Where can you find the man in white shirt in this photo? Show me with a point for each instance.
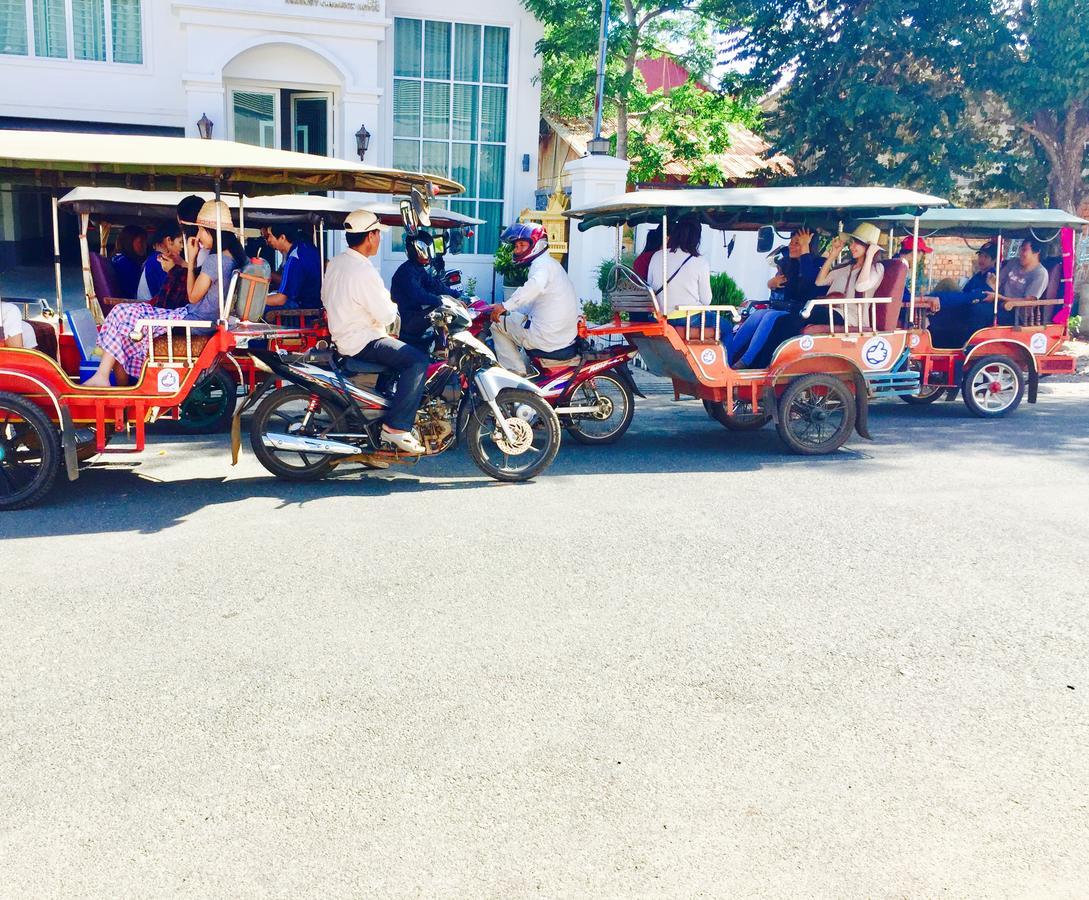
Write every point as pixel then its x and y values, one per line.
pixel 14 332
pixel 543 313
pixel 360 312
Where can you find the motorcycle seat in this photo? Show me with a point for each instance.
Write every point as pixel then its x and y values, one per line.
pixel 569 352
pixel 352 366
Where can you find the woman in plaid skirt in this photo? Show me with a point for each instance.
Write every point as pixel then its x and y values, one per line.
pixel 115 337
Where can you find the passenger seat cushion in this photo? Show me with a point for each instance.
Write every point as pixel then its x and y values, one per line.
pixel 892 285
pixel 199 342
pixel 46 336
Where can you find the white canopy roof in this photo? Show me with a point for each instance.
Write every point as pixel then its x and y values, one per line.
pixel 973 222
pixel 130 204
pixel 753 207
pixel 56 160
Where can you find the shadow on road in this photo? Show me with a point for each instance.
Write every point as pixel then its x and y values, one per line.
pixel 127 495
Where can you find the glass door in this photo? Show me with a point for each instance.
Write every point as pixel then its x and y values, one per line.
pixel 311 122
pixel 254 117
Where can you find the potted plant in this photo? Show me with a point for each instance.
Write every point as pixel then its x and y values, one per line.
pixel 514 276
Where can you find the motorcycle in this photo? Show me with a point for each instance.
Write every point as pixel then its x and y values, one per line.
pixel 329 410
pixel 592 391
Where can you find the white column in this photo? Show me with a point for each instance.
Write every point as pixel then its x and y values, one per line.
pixel 593 178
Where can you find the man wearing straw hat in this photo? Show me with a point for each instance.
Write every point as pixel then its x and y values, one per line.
pixel 360 312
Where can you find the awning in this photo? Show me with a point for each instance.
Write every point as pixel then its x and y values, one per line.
pixel 121 206
pixel 56 160
pixel 750 208
pixel 984 222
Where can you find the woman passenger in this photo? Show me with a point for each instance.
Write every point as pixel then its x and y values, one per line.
pixel 687 275
pixel 115 337
pixel 857 278
pixel 168 245
pixel 128 261
pixel 653 243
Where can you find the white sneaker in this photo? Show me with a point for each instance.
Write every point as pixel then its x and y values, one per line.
pixel 403 440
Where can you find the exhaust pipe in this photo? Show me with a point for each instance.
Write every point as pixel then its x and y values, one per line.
pixel 302 444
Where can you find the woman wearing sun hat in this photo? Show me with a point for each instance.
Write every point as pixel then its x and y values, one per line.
pixel 859 277
pixel 115 336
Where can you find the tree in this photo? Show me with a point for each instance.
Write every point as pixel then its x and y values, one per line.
pixel 1039 88
pixel 637 29
pixel 957 98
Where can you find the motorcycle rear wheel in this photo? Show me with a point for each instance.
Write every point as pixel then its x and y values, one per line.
pixel 284 411
pixel 541 429
pixel 616 402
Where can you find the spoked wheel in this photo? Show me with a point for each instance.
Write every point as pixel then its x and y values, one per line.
pixel 927 394
pixel 615 404
pixel 535 430
pixel 993 387
pixel 291 411
pixel 210 405
pixel 30 453
pixel 741 418
pixel 816 414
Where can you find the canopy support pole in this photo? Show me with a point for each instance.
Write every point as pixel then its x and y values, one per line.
pixel 914 266
pixel 242 218
pixel 321 250
pixel 997 274
pixel 219 255
pixel 56 252
pixel 665 267
pixel 85 260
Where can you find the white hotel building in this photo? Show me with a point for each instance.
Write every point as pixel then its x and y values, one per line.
pixel 441 88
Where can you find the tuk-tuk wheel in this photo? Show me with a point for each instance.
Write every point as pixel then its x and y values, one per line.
pixel 30 452
pixel 741 418
pixel 816 414
pixel 210 405
pixel 927 394
pixel 993 386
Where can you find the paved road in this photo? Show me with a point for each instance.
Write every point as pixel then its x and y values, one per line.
pixel 691 665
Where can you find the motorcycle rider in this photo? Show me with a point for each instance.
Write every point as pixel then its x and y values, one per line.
pixel 542 314
pixel 360 312
pixel 416 291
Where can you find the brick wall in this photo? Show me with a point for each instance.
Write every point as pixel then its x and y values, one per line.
pixel 952 258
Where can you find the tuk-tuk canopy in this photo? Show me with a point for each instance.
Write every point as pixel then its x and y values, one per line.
pixel 983 222
pixel 750 208
pixel 121 205
pixel 58 160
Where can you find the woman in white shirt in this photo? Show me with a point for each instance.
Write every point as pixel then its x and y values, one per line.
pixel 687 275
pixel 857 278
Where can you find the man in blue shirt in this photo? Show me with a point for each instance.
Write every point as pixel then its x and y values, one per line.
pixel 300 281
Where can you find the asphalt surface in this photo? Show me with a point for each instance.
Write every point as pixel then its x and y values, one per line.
pixel 688 665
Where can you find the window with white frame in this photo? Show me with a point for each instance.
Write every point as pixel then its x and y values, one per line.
pixel 93 30
pixel 450 113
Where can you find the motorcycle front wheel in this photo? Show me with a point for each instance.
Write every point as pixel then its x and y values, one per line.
pixel 535 431
pixel 291 411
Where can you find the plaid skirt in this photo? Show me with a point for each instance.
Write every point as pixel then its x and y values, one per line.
pixel 115 336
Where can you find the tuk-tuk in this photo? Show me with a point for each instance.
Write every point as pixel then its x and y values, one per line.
pixel 49 420
pixel 818 382
pixel 1002 347
pixel 211 404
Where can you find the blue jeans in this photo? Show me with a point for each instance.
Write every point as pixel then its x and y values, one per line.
pixel 411 367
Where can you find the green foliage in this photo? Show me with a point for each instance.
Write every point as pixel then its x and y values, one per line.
pixel 937 96
pixel 597 313
pixel 725 291
pixel 1075 325
pixel 651 129
pixel 470 286
pixel 513 275
pixel 605 271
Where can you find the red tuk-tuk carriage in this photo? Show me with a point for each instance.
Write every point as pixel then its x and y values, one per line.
pixel 1001 357
pixel 45 414
pixel 210 405
pixel 818 382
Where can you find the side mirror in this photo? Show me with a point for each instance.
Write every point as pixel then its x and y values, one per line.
pixel 765 239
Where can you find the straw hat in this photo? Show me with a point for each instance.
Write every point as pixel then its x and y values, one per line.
pixel 206 218
pixel 866 232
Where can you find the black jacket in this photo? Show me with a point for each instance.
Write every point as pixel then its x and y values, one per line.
pixel 416 292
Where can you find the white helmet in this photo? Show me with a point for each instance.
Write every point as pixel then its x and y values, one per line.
pixel 360 221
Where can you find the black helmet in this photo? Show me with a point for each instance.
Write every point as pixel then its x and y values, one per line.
pixel 419 245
